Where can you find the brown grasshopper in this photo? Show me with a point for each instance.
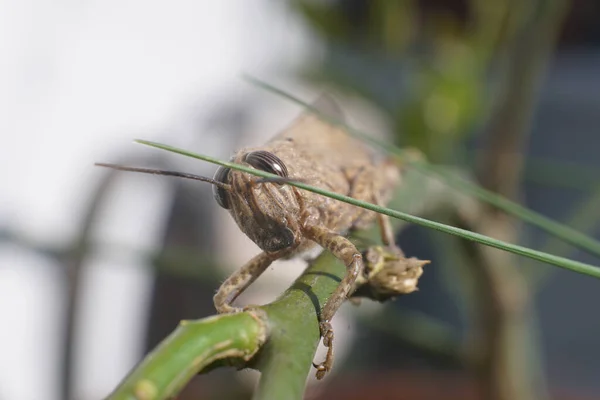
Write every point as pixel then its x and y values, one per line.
pixel 285 221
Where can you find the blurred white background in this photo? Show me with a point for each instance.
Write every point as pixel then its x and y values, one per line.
pixel 78 82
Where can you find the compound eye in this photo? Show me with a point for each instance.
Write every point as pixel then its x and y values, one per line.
pixel 220 194
pixel 268 162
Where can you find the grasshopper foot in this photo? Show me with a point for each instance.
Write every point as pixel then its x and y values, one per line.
pixel 324 367
pixel 327 334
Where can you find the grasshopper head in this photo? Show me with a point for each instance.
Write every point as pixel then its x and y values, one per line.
pixel 267 212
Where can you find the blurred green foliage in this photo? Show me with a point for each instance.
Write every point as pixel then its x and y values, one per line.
pixel 426 64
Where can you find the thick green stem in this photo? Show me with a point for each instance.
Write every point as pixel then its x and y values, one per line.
pixel 191 348
pixel 287 357
pixel 290 324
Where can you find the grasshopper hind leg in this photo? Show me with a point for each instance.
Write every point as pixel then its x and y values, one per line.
pixel 343 249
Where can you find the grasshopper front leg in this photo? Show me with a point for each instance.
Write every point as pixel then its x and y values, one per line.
pixel 240 280
pixel 343 249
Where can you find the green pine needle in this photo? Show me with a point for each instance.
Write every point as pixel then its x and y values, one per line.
pixel 576 266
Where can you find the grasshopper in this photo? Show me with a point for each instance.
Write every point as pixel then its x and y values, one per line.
pixel 285 221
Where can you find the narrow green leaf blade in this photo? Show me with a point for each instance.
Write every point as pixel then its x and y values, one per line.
pixel 562 262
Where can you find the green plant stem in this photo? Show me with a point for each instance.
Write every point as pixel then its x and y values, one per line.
pixel 286 332
pixel 572 265
pixel 286 358
pixel 548 225
pixel 191 348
